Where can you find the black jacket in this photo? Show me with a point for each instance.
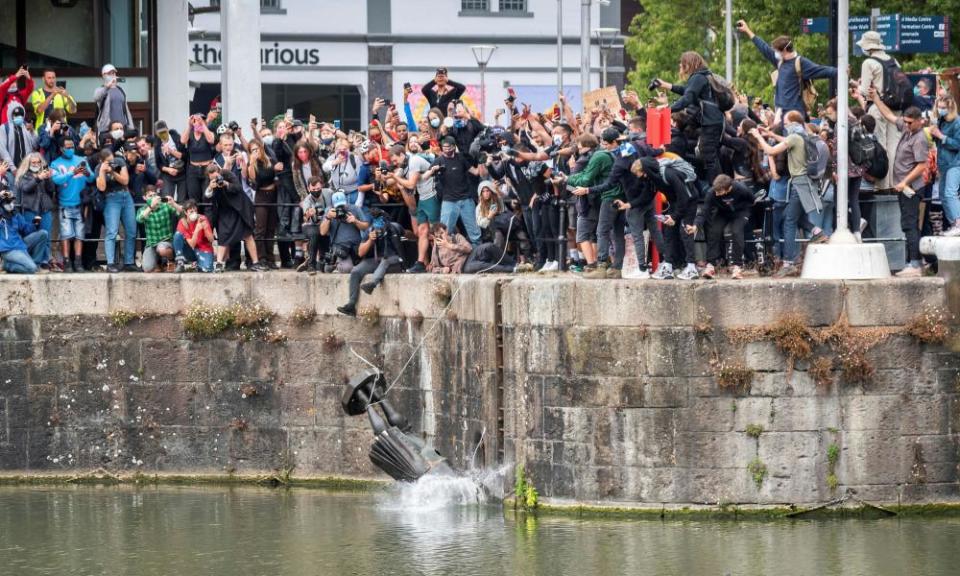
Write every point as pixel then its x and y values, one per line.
pixel 737 200
pixel 638 193
pixel 697 98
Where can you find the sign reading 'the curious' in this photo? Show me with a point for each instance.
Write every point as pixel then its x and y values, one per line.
pixel 271 54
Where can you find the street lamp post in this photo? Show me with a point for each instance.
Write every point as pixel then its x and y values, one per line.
pixel 605 38
pixel 843 258
pixel 585 43
pixel 482 53
pixel 728 33
pixel 559 46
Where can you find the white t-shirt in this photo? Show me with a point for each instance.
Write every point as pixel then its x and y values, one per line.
pixel 426 187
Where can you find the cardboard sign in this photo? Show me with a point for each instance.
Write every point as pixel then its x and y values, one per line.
pixel 597 98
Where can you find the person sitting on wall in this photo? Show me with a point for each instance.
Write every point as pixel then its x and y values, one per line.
pixel 23 245
pixel 378 253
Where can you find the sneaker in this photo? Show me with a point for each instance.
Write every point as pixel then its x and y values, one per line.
pixel 68 266
pixel 347 310
pixel 789 269
pixel 219 268
pixel 368 287
pixel 910 272
pixel 113 269
pixel 78 266
pixel 863 224
pixel 736 273
pixel 664 272
pixel 132 268
pixel 819 238
pixel 614 274
pixel 259 267
pixel 304 266
pixel 636 274
pixel 599 272
pixel 709 272
pixel 952 232
pixel 688 273
pixel 550 266
pixel 417 268
pixel 181 267
pixel 575 268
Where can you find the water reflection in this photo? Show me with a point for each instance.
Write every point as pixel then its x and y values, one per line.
pixel 185 531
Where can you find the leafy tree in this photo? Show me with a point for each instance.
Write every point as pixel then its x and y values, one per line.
pixel 665 29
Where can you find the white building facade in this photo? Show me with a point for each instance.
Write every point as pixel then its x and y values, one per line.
pixel 333 57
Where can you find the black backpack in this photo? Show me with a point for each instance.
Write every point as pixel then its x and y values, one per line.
pixel 897 88
pixel 813 155
pixel 879 164
pixel 722 92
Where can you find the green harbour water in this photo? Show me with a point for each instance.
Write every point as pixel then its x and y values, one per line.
pixel 212 531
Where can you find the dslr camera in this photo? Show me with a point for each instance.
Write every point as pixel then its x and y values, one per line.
pixel 341 213
pixel 653 85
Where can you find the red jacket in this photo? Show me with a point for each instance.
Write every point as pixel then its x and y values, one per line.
pixel 22 96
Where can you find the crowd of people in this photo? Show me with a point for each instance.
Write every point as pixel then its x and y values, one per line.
pixel 733 186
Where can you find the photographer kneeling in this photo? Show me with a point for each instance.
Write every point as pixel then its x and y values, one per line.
pixel 342 224
pixel 234 212
pixel 377 253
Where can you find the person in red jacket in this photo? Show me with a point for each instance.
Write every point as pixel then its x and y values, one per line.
pixel 17 87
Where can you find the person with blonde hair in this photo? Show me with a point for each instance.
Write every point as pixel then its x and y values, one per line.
pixel 946 134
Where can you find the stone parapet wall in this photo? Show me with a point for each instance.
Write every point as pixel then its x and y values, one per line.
pixel 609 390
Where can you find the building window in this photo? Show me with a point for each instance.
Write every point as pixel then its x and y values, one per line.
pixel 474 5
pixel 513 5
pixel 266 6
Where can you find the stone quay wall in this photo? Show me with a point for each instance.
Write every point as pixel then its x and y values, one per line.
pixel 631 392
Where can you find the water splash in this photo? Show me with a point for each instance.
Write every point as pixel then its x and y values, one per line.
pixel 436 492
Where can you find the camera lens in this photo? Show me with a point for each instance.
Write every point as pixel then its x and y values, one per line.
pixel 653 85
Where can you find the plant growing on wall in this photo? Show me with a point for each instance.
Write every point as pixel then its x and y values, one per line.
pixel 526 496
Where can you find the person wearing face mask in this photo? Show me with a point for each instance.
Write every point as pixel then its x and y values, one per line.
pixel 788 90
pixel 15 89
pixel 23 247
pixel 802 196
pixel 193 240
pixel 170 156
pixel 35 190
pixel 113 179
pixel 17 140
pixel 71 175
pixel 946 134
pixel 453 188
pixel 157 217
pixel 263 178
pixel 285 142
pixel 434 123
pixel 922 98
pixel 316 203
pixel 198 141
pixel 233 216
pixel 111 102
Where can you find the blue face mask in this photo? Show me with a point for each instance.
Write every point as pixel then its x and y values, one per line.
pixel 434 122
pixel 459 123
pixel 18 120
pixel 68 153
pixel 942 112
pixel 916 90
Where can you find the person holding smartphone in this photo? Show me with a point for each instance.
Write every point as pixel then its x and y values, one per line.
pixel 23 246
pixel 51 95
pixel 16 88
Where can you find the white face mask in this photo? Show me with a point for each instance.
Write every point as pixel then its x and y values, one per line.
pixel 268 140
pixel 779 56
pixel 193 216
pixel 34 168
pixel 557 140
pixel 108 79
pixel 8 207
pixel 116 134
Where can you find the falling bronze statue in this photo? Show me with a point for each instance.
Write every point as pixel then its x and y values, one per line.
pixel 401 455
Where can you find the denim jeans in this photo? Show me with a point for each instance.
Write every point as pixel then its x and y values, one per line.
pixel 117 209
pixel 779 209
pixel 794 218
pixel 950 194
pixel 20 262
pixel 182 250
pixel 638 219
pixel 376 266
pixel 46 219
pixel 611 221
pixel 464 210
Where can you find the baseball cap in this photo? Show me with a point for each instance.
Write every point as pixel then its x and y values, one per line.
pixel 298 123
pixel 107 68
pixel 442 70
pixel 160 126
pixel 610 135
pixel 449 141
pixel 339 199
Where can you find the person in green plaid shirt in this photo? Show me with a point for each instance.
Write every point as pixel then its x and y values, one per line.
pixel 158 218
